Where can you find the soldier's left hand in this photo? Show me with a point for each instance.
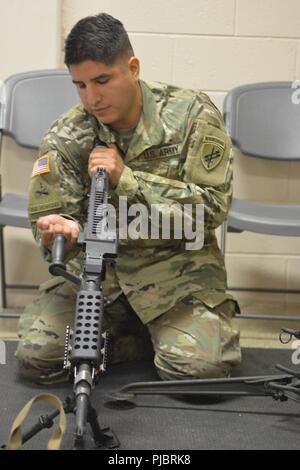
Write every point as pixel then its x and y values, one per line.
pixel 110 160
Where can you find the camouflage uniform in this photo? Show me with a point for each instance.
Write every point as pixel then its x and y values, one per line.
pixel 179 153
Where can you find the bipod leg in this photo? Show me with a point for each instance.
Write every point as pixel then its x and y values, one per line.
pixel 103 438
pixel 235 386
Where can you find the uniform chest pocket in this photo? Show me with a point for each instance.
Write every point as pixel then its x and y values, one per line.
pixel 166 167
pixel 175 165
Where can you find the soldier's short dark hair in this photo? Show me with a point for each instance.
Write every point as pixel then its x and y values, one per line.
pixel 100 38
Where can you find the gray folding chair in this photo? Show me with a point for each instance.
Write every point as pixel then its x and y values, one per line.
pixel 264 122
pixel 29 103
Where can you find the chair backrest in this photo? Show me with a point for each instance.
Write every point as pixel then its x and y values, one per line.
pixel 31 101
pixel 263 120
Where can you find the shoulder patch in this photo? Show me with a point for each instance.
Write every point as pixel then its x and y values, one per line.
pixel 42 165
pixel 212 152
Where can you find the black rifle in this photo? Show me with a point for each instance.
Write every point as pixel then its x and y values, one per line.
pixel 85 353
pixel 86 345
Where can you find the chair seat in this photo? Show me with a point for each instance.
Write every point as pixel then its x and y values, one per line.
pixel 13 211
pixel 273 219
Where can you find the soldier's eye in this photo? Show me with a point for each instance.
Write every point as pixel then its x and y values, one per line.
pixel 102 81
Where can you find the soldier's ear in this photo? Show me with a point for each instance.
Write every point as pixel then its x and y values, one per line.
pixel 134 67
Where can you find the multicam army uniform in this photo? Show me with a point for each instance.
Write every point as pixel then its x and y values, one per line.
pixel 179 153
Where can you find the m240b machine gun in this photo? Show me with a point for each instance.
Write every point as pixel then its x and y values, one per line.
pixel 86 345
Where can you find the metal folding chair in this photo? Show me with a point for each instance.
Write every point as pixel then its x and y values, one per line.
pixel 29 103
pixel 263 122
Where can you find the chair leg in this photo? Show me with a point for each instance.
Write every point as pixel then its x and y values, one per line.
pixel 223 236
pixel 2 270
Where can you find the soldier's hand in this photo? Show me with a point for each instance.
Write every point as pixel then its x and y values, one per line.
pixel 110 160
pixel 51 225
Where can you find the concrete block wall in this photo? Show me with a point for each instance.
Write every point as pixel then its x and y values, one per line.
pixel 212 45
pixel 209 44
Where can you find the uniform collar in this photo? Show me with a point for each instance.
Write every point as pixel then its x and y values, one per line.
pixel 104 132
pixel 149 131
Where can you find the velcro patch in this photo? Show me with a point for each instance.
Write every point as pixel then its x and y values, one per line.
pixel 39 208
pixel 212 152
pixel 42 165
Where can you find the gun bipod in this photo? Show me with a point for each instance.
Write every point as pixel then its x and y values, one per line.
pixel 275 386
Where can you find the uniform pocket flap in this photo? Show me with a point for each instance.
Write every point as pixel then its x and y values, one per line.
pixel 212 298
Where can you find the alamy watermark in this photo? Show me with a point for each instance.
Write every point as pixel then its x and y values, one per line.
pixel 159 221
pixel 295 358
pixel 296 94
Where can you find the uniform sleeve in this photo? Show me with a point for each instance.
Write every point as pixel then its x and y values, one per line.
pixel 55 188
pixel 205 178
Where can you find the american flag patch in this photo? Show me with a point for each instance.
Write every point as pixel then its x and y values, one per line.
pixel 42 165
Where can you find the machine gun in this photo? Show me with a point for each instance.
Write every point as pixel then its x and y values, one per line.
pixel 86 346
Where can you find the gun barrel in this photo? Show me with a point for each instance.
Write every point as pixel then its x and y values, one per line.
pixel 82 404
pixel 82 390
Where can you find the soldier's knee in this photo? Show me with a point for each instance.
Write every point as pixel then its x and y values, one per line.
pixel 39 365
pixel 180 367
pixel 191 342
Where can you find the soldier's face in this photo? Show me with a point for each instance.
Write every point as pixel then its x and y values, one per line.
pixel 110 92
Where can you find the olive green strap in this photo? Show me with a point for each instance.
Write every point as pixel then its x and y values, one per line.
pixel 15 437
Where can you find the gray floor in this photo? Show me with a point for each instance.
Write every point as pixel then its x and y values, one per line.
pixel 166 423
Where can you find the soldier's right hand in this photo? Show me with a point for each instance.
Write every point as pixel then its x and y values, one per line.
pixel 51 225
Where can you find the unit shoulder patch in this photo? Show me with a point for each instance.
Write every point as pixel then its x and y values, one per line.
pixel 212 152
